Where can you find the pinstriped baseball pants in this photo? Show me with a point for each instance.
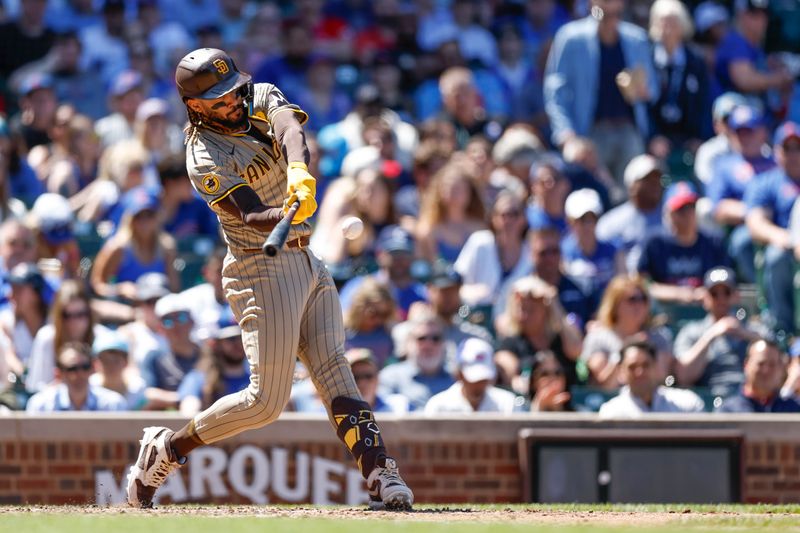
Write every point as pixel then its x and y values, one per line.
pixel 287 306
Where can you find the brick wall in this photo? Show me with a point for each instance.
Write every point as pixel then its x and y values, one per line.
pixel 80 459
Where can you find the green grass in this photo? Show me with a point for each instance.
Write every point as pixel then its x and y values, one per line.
pixel 427 519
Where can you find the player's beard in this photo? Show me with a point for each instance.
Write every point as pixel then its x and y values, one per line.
pixel 226 124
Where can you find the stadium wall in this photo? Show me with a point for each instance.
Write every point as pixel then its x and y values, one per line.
pixel 81 458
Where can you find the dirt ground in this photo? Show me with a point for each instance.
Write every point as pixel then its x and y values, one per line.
pixel 429 514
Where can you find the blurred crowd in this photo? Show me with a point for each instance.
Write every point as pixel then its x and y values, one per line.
pixel 569 205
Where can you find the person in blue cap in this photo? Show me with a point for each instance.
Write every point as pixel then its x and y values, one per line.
pixel 732 173
pixel 769 201
pixel 139 246
pixel 676 258
pixel 53 221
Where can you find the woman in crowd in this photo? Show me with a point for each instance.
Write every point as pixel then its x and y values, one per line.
pixel 76 167
pixel 624 311
pixel 451 211
pixel 27 314
pixel 533 321
pixel 547 386
pixel 139 247
pixel 682 116
pixel 490 256
pixel 369 320
pixel 71 320
pixel 369 197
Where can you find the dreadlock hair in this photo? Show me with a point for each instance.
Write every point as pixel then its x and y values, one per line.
pixel 192 128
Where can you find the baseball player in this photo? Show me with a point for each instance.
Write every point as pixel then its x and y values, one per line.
pixel 246 155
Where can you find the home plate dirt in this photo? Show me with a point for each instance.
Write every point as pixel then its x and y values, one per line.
pixel 521 515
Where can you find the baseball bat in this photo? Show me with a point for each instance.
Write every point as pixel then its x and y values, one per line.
pixel 277 237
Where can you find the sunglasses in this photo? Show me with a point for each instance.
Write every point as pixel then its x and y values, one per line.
pixel 84 367
pixel 514 213
pixel 432 338
pixel 75 316
pixel 363 377
pixel 549 251
pixel 716 293
pixel 636 299
pixel 181 318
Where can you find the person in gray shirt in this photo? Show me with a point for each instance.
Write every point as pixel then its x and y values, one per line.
pixel 711 352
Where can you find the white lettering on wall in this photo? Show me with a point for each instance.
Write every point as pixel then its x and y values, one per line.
pixel 323 484
pixel 256 488
pixel 250 472
pixel 280 475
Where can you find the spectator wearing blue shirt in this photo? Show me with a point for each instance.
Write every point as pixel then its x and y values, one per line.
pixel 74 365
pixel 769 200
pixel 589 261
pixel 677 258
pixel 549 189
pixel 764 370
pixel 223 370
pixel 732 173
pixel 581 92
pixel 395 254
pixel 741 62
pixel 183 212
pixel 164 370
pixel 628 225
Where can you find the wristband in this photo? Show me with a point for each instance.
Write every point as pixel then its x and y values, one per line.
pixel 298 164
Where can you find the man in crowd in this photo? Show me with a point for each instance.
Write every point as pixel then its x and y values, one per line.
pixel 474 391
pixel 710 352
pixel 764 371
pixel 769 201
pixel 423 373
pixel 642 393
pixel 74 365
pixel 677 257
pixel 585 63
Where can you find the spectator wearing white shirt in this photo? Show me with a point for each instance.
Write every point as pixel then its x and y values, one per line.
pixel 113 372
pixel 474 392
pixel 642 393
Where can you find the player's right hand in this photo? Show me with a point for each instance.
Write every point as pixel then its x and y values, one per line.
pixel 308 205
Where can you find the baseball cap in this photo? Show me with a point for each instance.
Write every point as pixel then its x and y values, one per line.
pixel 445 276
pixel 358 355
pixel 751 5
pixel 719 275
pixel 785 131
pixel 725 103
pixel 514 143
pixel 581 202
pixel 475 359
pixel 109 341
pixel 171 303
pixel 226 327
pixel 139 199
pixel 35 81
pixel 639 168
pixel 125 82
pixel 395 239
pixel 151 285
pixel 680 194
pixel 152 107
pixel 53 216
pixel 745 116
pixel 26 274
pixel 707 14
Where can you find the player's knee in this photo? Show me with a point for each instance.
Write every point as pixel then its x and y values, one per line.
pixel 265 406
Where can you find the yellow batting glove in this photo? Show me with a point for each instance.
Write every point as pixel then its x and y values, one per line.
pixel 307 206
pixel 298 179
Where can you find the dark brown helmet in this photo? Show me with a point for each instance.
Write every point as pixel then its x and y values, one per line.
pixel 208 73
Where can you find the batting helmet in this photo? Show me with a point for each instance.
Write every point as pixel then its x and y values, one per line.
pixel 208 73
